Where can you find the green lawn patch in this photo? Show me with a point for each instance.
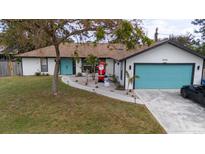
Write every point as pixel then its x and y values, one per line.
pixel 27 106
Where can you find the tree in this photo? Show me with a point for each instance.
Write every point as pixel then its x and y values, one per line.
pixel 200 42
pixel 201 24
pixel 187 40
pixel 131 35
pixel 40 33
pixel 92 60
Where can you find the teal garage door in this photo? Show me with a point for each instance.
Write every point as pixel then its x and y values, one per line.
pixel 66 66
pixel 162 76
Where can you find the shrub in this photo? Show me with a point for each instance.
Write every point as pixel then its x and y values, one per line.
pixel 114 79
pixel 41 74
pixel 79 74
pixel 38 73
pixel 119 87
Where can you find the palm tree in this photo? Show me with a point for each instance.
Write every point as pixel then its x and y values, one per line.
pixel 92 60
pixel 130 79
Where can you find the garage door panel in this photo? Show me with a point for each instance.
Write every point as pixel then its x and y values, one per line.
pixel 163 76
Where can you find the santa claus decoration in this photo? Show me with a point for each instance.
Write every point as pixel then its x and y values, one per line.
pixel 101 71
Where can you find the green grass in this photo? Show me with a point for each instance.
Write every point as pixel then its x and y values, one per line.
pixel 27 106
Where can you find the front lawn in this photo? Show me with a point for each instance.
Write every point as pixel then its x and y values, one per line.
pixel 27 106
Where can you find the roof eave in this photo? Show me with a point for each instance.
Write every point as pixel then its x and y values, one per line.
pixel 164 42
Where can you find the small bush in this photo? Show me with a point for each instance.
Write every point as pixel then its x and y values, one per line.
pixel 38 73
pixel 76 80
pixel 119 87
pixel 41 74
pixel 79 74
pixel 114 79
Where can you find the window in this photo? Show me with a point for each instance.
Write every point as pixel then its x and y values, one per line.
pixel 44 65
pixel 88 67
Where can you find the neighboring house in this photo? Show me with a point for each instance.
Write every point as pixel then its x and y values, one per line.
pixel 163 65
pixel 2 56
pixel 5 53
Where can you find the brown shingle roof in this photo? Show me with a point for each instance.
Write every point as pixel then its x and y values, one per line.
pixel 101 50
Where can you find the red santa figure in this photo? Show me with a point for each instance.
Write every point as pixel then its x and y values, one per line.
pixel 101 71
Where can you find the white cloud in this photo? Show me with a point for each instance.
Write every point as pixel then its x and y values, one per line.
pixel 168 27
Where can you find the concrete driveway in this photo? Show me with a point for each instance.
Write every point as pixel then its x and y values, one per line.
pixel 175 114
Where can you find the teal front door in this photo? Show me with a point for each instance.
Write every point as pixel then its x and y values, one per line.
pixel 66 66
pixel 163 76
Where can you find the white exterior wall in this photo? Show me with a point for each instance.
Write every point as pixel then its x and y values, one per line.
pixel 79 66
pixel 51 65
pixel 169 54
pixel 117 70
pixel 31 66
pixel 118 67
pixel 109 66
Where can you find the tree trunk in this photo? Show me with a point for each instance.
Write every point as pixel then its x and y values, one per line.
pixel 10 65
pixel 56 70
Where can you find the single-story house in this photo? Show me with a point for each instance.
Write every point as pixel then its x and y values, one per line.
pixel 162 65
pixel 2 56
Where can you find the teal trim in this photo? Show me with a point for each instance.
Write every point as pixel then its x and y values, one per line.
pixel 66 66
pixel 163 76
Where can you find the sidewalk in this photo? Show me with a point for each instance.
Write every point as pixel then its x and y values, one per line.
pixel 101 91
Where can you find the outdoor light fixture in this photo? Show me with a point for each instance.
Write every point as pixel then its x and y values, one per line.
pixel 198 67
pixel 130 67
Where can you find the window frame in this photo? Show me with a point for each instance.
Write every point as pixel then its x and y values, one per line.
pixel 42 70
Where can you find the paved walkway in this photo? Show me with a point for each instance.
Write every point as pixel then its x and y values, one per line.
pixel 101 90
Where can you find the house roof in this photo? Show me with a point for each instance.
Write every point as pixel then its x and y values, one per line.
pixel 1 49
pixel 101 50
pixel 143 49
pixel 7 50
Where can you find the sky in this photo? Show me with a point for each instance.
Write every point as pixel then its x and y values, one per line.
pixel 168 27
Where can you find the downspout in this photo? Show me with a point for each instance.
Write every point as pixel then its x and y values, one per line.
pixel 125 73
pixel 113 67
pixel 202 74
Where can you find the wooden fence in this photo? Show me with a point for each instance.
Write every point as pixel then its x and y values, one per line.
pixel 6 71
